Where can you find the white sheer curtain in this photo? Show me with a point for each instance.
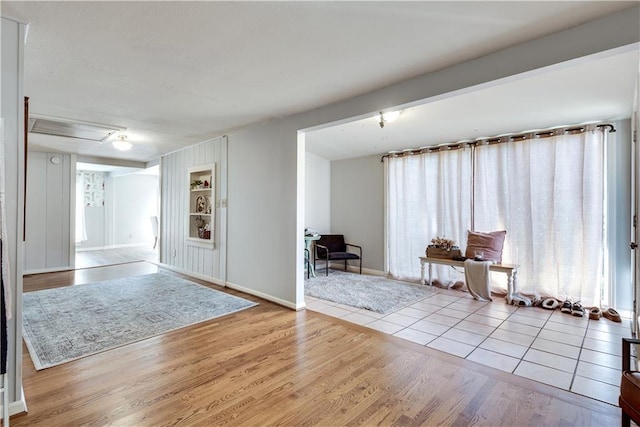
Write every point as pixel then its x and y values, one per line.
pixel 81 229
pixel 428 195
pixel 548 193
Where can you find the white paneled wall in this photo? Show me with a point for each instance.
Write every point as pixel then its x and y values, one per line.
pixel 48 227
pixel 175 250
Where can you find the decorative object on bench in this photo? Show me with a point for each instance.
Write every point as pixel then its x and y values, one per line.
pixel 629 399
pixel 490 244
pixel 442 247
pixel 332 247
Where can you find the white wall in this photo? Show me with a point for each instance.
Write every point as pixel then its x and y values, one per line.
pixel 135 200
pixel 47 246
pixel 264 230
pixel 95 225
pixel 357 206
pixel 317 193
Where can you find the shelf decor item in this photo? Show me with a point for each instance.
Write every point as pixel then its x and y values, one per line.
pixel 202 204
pixel 204 232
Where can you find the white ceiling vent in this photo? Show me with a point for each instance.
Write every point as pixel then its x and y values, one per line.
pixel 72 129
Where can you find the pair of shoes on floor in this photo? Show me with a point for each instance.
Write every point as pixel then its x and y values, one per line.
pixel 612 315
pixel 550 304
pixel 573 308
pixel 577 309
pixel 595 313
pixel 520 300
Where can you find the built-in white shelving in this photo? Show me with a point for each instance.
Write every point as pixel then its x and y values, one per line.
pixel 201 223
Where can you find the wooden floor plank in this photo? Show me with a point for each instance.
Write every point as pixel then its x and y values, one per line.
pixel 269 365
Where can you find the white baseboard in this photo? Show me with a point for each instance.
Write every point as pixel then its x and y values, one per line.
pixel 192 274
pixel 268 297
pixel 236 287
pixel 46 270
pixel 17 407
pixel 372 272
pixel 356 269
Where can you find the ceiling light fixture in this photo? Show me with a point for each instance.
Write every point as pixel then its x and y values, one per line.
pixel 121 143
pixel 389 117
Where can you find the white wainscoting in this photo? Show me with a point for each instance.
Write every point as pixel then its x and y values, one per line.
pixel 49 183
pixel 175 249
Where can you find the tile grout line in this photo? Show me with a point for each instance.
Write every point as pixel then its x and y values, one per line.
pixel 575 371
pixel 494 329
pixel 529 347
pixel 408 326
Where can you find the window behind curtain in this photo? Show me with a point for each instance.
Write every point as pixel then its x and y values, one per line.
pixel 546 192
pixel 428 196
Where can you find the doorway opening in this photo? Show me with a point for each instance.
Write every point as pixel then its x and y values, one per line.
pixel 116 215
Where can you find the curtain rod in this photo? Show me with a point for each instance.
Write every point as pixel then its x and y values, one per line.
pixel 520 136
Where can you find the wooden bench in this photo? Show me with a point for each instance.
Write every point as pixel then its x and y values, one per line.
pixel 510 270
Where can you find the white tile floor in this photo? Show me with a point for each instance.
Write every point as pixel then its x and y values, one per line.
pixel 572 353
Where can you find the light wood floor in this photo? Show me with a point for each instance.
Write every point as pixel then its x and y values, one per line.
pixel 269 365
pixel 98 258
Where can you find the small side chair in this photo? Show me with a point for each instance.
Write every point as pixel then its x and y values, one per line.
pixel 332 247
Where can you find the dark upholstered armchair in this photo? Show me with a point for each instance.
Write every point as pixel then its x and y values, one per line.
pixel 332 247
pixel 629 400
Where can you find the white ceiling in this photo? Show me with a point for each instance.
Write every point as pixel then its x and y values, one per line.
pixel 177 73
pixel 599 89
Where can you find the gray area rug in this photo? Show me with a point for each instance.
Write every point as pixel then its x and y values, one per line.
pixel 64 324
pixel 373 293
